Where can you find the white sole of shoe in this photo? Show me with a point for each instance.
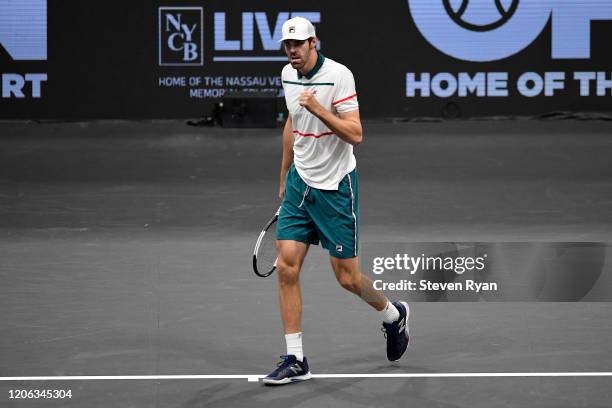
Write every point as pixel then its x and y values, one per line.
pixel 304 377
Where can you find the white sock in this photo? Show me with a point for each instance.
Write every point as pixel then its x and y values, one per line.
pixel 390 313
pixel 294 345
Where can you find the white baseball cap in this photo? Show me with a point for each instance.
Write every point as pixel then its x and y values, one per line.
pixel 298 28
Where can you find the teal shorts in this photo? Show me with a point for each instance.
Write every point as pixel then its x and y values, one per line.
pixel 310 215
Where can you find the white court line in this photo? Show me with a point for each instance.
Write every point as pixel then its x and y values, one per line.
pixel 256 377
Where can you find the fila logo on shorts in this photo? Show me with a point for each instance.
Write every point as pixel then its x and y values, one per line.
pixel 321 158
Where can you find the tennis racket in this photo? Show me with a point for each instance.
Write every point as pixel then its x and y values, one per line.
pixel 264 254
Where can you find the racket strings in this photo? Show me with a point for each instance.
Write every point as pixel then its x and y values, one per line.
pixel 267 254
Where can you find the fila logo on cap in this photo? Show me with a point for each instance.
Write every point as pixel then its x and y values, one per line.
pixel 297 28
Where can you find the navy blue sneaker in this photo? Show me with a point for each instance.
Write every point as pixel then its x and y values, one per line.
pixel 289 370
pixel 397 333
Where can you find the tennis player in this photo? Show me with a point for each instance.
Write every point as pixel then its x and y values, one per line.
pixel 319 189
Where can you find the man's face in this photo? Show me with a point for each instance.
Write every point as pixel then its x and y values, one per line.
pixel 298 51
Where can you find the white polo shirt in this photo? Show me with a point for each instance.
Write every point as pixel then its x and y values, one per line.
pixel 321 158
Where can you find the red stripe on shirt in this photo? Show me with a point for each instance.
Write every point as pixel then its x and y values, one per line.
pixel 344 99
pixel 312 134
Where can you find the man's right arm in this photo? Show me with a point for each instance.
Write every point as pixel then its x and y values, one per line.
pixel 287 155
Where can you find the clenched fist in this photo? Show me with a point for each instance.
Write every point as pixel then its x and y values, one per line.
pixel 309 101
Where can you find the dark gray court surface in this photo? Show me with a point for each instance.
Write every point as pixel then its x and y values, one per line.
pixel 126 248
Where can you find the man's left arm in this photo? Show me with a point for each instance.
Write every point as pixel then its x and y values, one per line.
pixel 347 126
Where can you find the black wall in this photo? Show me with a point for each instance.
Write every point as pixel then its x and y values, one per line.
pixel 103 62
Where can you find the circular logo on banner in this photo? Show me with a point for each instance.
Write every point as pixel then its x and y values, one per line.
pixel 480 15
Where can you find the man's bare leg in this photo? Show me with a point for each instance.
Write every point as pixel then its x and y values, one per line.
pixel 290 259
pixel 350 278
pixel 294 366
pixel 394 315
